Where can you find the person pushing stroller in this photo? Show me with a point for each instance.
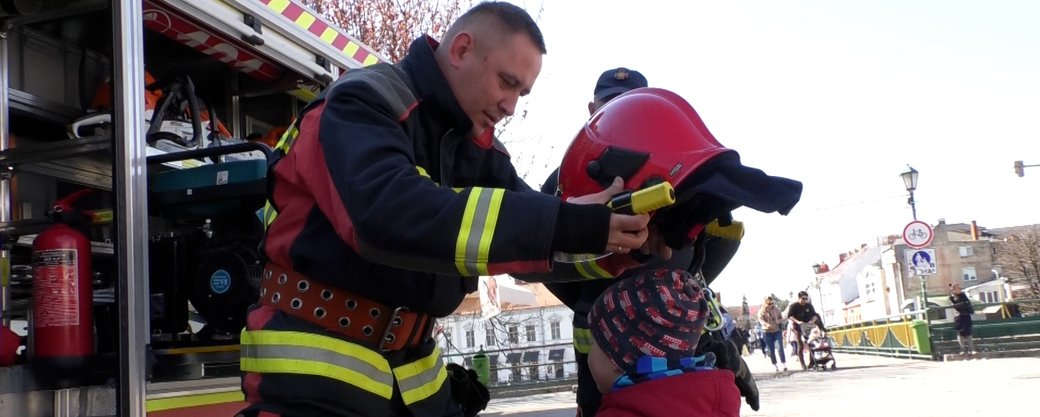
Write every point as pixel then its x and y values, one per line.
pixel 802 312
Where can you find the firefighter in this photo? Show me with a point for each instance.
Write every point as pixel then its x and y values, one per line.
pixel 389 197
pixel 683 146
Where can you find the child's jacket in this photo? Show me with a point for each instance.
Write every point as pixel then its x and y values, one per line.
pixel 702 393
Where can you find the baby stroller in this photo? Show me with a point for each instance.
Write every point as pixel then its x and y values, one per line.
pixel 819 344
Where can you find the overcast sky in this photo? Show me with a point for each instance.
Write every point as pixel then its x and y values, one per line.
pixel 840 95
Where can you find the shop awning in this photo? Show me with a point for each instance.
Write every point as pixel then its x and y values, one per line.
pixel 531 356
pixel 513 357
pixel 556 355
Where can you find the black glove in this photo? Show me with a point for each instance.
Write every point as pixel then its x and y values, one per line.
pixel 728 357
pixel 471 395
pixel 746 384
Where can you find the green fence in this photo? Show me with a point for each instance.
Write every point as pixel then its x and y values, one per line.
pixel 899 336
pixel 987 329
pixel 908 335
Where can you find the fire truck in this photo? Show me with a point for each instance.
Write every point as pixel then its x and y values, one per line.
pixel 134 144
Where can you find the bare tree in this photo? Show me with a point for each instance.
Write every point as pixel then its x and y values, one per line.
pixel 1019 257
pixel 389 27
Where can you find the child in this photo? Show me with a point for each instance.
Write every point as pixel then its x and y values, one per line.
pixel 645 330
pixel 792 337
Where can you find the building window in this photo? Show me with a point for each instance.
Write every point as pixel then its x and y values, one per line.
pixel 469 338
pixel 530 333
pixel 489 335
pixel 966 251
pixel 514 335
pixel 989 297
pixel 969 273
pixel 554 330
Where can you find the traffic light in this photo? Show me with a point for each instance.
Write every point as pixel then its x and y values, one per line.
pixel 1020 168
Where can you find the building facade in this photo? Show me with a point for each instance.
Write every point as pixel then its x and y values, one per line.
pixel 524 343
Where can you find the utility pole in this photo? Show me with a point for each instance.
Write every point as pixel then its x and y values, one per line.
pixel 1020 168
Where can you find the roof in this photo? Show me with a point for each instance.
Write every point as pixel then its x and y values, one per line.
pixel 990 283
pixel 753 310
pixel 542 298
pixel 1003 232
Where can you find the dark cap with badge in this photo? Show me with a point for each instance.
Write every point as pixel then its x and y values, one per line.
pixel 617 81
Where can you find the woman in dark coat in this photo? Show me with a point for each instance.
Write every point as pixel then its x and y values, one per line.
pixel 962 323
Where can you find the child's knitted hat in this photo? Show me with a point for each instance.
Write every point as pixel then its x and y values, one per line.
pixel 658 313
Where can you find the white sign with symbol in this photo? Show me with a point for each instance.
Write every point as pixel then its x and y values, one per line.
pixel 921 262
pixel 917 234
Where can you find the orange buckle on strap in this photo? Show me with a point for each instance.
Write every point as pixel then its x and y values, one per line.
pixel 341 311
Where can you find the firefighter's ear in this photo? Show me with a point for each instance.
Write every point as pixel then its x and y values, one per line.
pixel 459 46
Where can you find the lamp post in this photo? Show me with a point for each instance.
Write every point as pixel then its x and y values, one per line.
pixel 819 283
pixel 910 181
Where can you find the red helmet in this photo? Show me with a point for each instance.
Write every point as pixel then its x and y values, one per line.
pixel 647 136
pixel 644 136
pixel 650 135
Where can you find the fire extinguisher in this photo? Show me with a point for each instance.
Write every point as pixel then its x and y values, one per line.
pixel 62 316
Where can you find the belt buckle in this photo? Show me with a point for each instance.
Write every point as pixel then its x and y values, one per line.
pixel 395 320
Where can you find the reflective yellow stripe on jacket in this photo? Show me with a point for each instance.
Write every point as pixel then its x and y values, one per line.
pixel 272 351
pixel 582 340
pixel 284 143
pixel 421 379
pixel 591 270
pixel 285 352
pixel 477 230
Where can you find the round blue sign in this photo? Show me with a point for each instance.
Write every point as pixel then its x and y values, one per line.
pixel 220 281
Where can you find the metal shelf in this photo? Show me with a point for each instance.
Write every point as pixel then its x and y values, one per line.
pixel 41 108
pixel 79 161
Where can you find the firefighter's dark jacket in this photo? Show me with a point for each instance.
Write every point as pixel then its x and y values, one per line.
pixel 386 194
pixel 381 191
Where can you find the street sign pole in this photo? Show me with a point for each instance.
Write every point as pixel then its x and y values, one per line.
pixel 922 262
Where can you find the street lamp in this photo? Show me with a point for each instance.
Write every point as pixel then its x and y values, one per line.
pixel 818 269
pixel 910 181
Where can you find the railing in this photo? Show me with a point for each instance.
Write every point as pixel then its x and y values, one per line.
pixel 903 335
pixel 909 335
pixel 542 372
pixel 1010 326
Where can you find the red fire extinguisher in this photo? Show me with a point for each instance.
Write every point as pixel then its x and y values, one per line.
pixel 62 317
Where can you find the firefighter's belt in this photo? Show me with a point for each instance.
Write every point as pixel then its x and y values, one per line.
pixel 341 311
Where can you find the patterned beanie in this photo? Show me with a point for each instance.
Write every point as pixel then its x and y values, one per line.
pixel 658 313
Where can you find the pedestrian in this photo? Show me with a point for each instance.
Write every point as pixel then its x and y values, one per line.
pixel 769 318
pixel 389 198
pixel 791 337
pixel 761 340
pixel 645 330
pixel 802 312
pixel 963 322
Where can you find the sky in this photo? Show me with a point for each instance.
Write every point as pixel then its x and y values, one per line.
pixel 840 95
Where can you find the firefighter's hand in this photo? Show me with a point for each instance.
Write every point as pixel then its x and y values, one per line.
pixel 655 244
pixel 627 232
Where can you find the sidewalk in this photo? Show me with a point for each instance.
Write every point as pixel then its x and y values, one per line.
pixel 762 368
